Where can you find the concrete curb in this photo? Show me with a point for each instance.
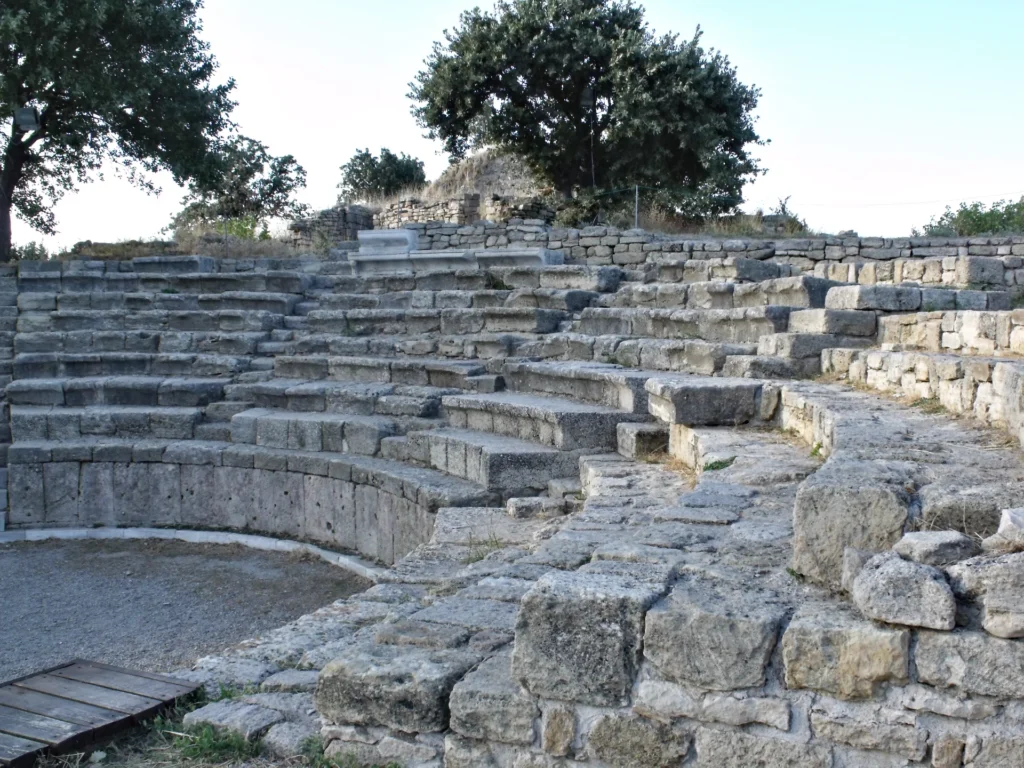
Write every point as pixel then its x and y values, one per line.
pixel 350 563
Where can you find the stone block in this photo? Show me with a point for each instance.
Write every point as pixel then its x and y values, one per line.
pixel 488 704
pixel 579 636
pixel 700 401
pixel 937 548
pixel 713 636
pixel 246 720
pixel 876 734
pixel 827 648
pixel 897 591
pixel 395 687
pixel 836 322
pixel 737 749
pixel 627 741
pixel 885 298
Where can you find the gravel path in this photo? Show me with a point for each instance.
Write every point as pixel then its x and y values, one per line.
pixel 153 605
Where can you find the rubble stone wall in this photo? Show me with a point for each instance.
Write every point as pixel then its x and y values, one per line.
pixel 333 225
pixel 966 332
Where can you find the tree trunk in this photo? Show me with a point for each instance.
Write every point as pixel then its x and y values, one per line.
pixel 5 227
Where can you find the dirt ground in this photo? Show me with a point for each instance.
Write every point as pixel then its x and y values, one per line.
pixel 151 605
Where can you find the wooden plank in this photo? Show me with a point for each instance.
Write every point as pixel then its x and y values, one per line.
pixel 119 701
pixel 16 751
pixel 123 681
pixel 48 730
pixel 137 673
pixel 62 709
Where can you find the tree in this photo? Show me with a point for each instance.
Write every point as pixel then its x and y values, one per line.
pixel 586 95
pixel 367 176
pixel 127 81
pixel 243 183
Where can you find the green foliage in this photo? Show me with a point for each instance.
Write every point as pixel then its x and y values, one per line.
pixel 210 745
pixel 971 219
pixel 714 466
pixel 31 251
pixel 365 176
pixel 127 82
pixel 588 97
pixel 242 187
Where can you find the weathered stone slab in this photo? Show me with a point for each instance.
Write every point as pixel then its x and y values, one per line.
pixel 396 687
pixel 828 648
pixel 737 749
pixel 700 401
pixel 627 741
pixel 488 704
pixel 579 636
pixel 936 548
pixel 972 662
pixel 887 298
pixel 247 720
pixel 712 636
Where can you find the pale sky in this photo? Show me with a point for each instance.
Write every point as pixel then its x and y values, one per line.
pixel 879 113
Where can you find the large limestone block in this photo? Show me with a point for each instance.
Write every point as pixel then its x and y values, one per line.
pixel 897 591
pixel 737 749
pixel 997 584
pixel 887 298
pixel 848 503
pixel 393 686
pixel 700 401
pixel 579 636
pixel 828 648
pixel 837 322
pixel 974 662
pixel 488 704
pixel 626 741
pixel 712 636
pixel 880 733
pixel 246 720
pixel 937 548
pixel 999 752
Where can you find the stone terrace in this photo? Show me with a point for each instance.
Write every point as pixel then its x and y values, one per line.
pixel 619 514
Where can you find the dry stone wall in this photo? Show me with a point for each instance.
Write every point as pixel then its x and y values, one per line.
pixel 334 225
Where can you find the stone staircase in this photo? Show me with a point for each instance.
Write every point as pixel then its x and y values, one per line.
pixel 615 529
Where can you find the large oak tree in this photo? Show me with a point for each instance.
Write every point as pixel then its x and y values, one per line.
pixel 127 81
pixel 588 96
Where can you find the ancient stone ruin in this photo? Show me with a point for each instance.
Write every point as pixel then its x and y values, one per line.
pixel 668 502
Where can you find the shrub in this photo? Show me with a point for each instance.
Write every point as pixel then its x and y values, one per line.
pixel 30 252
pixel 972 219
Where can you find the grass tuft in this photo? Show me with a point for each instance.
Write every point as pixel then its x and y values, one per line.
pixel 478 550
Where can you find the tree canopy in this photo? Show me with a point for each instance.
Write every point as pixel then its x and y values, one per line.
pixel 367 176
pixel 588 96
pixel 971 219
pixel 243 182
pixel 127 81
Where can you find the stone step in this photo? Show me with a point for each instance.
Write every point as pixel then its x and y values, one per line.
pixel 52 365
pixel 185 283
pixel 765 367
pixel 705 401
pixel 842 322
pixel 414 300
pixel 508 465
pixel 280 303
pixel 803 346
pixel 321 431
pixel 122 320
pixel 671 269
pixel 381 370
pixel 566 277
pixel 381 509
pixel 572 301
pixel 232 344
pixel 564 424
pixel 799 291
pixel 118 390
pixel 446 321
pixel 29 422
pixel 598 383
pixel 912 298
pixel 683 355
pixel 745 325
pixel 474 346
pixel 298 395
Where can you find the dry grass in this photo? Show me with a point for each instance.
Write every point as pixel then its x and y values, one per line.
pixel 672 464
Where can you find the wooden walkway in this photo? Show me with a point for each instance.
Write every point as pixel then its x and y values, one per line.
pixel 77 705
